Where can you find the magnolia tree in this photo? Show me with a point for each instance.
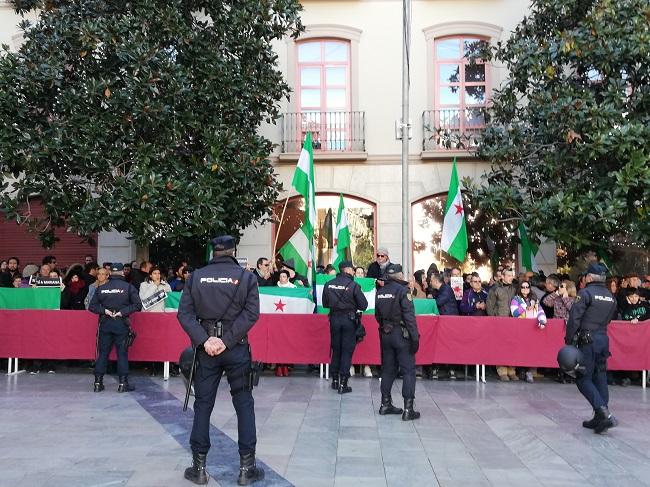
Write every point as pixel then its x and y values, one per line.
pixel 568 134
pixel 142 115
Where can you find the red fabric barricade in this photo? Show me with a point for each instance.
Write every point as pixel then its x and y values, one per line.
pixel 305 339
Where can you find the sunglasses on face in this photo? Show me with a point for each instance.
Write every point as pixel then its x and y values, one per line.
pixel 525 287
pixel 475 282
pixel 381 255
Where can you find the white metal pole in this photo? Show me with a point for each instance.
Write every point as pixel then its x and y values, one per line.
pixel 406 207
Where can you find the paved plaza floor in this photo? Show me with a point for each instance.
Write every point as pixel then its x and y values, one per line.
pixel 55 432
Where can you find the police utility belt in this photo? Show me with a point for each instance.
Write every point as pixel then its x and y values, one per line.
pixel 387 328
pixel 215 328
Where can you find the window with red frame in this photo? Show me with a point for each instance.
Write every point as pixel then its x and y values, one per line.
pixel 324 92
pixel 461 89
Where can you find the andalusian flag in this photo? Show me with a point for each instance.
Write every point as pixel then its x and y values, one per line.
pixel 528 250
pixel 342 239
pixel 300 246
pixel 367 287
pixel 454 230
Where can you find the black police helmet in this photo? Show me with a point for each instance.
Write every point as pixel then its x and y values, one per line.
pixel 185 363
pixel 570 360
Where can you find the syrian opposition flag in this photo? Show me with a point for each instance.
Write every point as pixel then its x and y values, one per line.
pixel 282 300
pixel 454 230
pixel 342 239
pixel 528 250
pixel 300 246
pixel 273 300
pixel 367 286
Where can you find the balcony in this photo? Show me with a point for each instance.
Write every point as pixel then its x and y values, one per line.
pixel 335 135
pixel 452 130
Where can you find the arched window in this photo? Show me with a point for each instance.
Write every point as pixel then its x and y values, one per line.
pixel 361 223
pixel 489 241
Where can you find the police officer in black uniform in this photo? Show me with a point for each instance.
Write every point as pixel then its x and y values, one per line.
pixel 594 308
pixel 343 297
pixel 400 340
pixel 114 301
pixel 219 305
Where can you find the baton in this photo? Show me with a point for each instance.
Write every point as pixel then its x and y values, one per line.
pixel 190 380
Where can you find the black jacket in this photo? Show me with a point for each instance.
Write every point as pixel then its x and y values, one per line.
pixel 342 294
pixel 639 311
pixel 446 300
pixel 594 308
pixel 392 305
pixel 374 271
pixel 261 281
pixel 116 295
pixel 210 295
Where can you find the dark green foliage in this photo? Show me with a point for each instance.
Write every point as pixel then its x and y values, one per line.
pixel 142 115
pixel 569 133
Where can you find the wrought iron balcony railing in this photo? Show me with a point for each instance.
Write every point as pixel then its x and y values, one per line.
pixel 331 131
pixel 452 128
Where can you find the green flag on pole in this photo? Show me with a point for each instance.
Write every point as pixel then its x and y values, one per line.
pixel 342 239
pixel 300 246
pixel 454 230
pixel 528 250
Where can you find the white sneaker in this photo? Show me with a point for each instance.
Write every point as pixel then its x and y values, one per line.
pixel 352 371
pixel 366 371
pixel 529 377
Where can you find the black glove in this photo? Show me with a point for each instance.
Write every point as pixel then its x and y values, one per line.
pixel 414 346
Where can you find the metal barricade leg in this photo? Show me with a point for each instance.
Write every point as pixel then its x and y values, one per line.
pixel 483 373
pixel 643 378
pixel 166 371
pixel 320 371
pixel 478 372
pixel 327 371
pixel 10 363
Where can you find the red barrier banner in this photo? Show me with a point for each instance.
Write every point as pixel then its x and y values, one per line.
pixel 46 334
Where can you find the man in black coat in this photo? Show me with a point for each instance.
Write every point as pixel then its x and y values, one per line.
pixel 343 297
pixel 114 302
pixel 377 269
pixel 219 305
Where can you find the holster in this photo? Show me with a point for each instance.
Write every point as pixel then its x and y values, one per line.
pixel 582 337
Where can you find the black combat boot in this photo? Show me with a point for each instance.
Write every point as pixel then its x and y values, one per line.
pixel 387 406
pixel 98 386
pixel 409 413
pixel 335 382
pixel 343 386
pixel 124 385
pixel 248 471
pixel 605 420
pixel 196 473
pixel 591 424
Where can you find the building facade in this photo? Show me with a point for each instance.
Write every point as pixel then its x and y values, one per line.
pixel 346 72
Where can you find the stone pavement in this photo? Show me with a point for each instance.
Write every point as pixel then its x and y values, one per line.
pixel 55 432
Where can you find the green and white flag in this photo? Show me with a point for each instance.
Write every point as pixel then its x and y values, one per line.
pixel 300 246
pixel 454 230
pixel 282 300
pixel 273 300
pixel 528 250
pixel 342 239
pixel 367 286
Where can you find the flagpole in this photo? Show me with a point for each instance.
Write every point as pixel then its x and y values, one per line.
pixel 277 234
pixel 406 210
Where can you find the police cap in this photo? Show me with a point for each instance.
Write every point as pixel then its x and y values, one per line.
pixel 223 242
pixel 597 268
pixel 346 264
pixel 392 270
pixel 117 267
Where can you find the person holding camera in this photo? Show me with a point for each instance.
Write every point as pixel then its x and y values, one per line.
pixel 218 307
pixel 525 305
pixel 400 340
pixel 114 301
pixel 343 297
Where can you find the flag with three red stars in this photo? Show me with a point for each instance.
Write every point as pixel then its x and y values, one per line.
pixel 454 229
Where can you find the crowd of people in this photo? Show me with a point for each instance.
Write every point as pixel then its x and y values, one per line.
pixel 526 295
